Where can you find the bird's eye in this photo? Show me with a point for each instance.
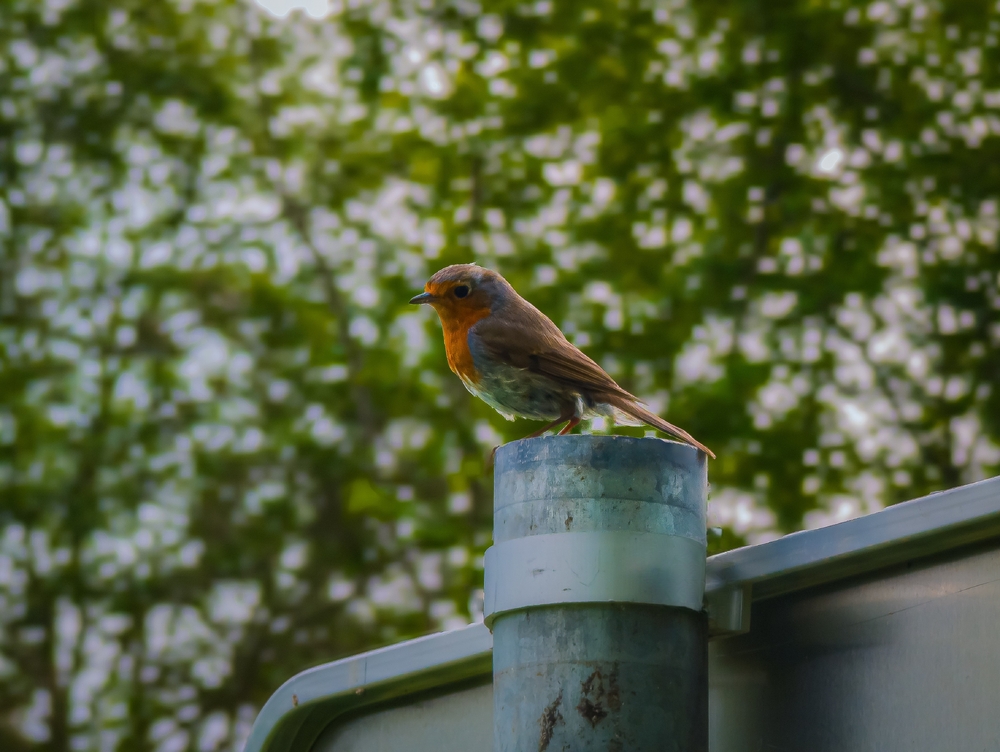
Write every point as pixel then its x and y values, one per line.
pixel 461 291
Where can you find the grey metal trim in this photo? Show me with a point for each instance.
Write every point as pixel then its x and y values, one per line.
pixel 911 530
pixel 307 703
pixel 594 567
pixel 728 610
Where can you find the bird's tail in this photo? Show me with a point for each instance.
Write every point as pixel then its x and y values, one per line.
pixel 639 412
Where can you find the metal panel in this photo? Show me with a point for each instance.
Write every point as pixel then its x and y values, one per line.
pixel 456 722
pixel 906 660
pixel 851 662
pixel 309 702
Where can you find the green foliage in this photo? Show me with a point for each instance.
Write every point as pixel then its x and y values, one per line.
pixel 230 450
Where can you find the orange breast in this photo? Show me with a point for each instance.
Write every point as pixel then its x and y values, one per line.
pixel 456 325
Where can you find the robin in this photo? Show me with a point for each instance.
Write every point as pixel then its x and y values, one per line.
pixel 511 356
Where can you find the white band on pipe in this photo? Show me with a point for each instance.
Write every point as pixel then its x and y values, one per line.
pixel 594 567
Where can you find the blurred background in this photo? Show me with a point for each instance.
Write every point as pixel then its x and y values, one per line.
pixel 229 449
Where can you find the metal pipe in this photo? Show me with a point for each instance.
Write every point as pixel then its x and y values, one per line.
pixel 594 589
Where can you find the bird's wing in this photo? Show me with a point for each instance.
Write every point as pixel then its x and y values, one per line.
pixel 528 339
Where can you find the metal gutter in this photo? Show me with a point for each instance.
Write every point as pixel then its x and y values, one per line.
pixel 900 533
pixel 296 714
pixel 302 707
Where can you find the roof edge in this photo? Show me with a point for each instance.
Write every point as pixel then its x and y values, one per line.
pixel 903 532
pixel 304 705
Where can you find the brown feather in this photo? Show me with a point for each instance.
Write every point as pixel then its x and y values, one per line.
pixel 639 412
pixel 540 347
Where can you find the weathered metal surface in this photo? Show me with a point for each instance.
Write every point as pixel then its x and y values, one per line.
pixel 560 484
pixel 600 677
pixel 607 672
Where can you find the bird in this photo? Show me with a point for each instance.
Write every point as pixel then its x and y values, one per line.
pixel 515 359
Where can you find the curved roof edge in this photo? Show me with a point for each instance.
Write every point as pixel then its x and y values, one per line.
pixel 304 705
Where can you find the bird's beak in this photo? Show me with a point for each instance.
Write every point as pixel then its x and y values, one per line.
pixel 424 297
